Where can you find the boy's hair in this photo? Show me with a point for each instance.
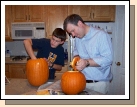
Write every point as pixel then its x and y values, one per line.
pixel 60 33
pixel 73 19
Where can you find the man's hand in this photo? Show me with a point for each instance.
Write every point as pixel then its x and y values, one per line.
pixel 81 64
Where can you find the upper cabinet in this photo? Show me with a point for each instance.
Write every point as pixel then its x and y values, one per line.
pixel 82 10
pixel 103 13
pixel 27 13
pixel 93 12
pixel 56 16
pixel 7 23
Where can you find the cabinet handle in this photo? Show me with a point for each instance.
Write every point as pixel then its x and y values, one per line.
pixel 24 71
pixel 92 15
pixel 29 17
pixel 26 17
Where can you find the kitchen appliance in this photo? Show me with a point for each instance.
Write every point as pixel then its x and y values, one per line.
pixel 24 30
pixel 71 44
pixel 20 58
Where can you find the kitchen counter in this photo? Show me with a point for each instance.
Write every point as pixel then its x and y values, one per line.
pixel 22 87
pixel 24 61
pixel 18 87
pixel 9 60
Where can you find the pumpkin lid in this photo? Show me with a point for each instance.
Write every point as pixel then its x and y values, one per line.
pixel 74 62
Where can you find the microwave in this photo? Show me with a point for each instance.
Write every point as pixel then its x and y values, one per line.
pixel 26 30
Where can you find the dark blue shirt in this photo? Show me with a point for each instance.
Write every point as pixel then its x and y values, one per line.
pixel 45 50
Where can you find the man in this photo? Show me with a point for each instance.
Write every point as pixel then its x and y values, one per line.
pixel 50 49
pixel 94 48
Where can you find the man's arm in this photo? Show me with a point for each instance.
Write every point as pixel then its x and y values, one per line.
pixel 82 63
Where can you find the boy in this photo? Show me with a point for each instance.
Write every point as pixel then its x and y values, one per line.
pixel 50 49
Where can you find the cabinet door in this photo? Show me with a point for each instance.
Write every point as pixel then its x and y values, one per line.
pixel 7 71
pixel 93 12
pixel 64 69
pixel 7 23
pixel 56 17
pixel 19 13
pixel 24 13
pixel 17 70
pixel 36 13
pixel 58 74
pixel 83 10
pixel 103 13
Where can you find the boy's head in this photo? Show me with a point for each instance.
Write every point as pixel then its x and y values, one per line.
pixel 58 37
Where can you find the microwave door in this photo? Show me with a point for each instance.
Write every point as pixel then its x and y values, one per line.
pixel 22 33
pixel 39 32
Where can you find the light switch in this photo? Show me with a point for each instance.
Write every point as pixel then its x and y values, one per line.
pixel 109 28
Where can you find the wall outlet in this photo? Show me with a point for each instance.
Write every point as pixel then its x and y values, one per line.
pixel 109 28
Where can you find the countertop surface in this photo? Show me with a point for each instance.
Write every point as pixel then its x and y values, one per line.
pixel 9 60
pixel 23 87
pixel 18 87
pixel 24 61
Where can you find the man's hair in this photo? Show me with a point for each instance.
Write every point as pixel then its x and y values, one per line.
pixel 73 19
pixel 60 33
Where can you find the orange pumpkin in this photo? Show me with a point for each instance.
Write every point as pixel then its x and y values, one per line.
pixel 74 61
pixel 37 71
pixel 73 82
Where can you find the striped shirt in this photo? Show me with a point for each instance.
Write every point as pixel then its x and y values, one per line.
pixel 96 44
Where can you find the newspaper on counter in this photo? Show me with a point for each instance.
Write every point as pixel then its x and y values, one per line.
pixel 55 89
pixel 52 89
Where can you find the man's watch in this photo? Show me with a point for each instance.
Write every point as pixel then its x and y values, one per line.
pixel 87 63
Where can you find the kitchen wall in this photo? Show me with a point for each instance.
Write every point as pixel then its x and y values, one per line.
pixel 17 48
pixel 107 26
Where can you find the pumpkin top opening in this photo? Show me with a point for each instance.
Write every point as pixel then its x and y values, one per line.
pixel 73 71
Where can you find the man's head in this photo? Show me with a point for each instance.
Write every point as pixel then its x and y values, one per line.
pixel 58 37
pixel 75 26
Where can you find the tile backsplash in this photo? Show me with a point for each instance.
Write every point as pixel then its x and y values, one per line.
pixel 17 48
